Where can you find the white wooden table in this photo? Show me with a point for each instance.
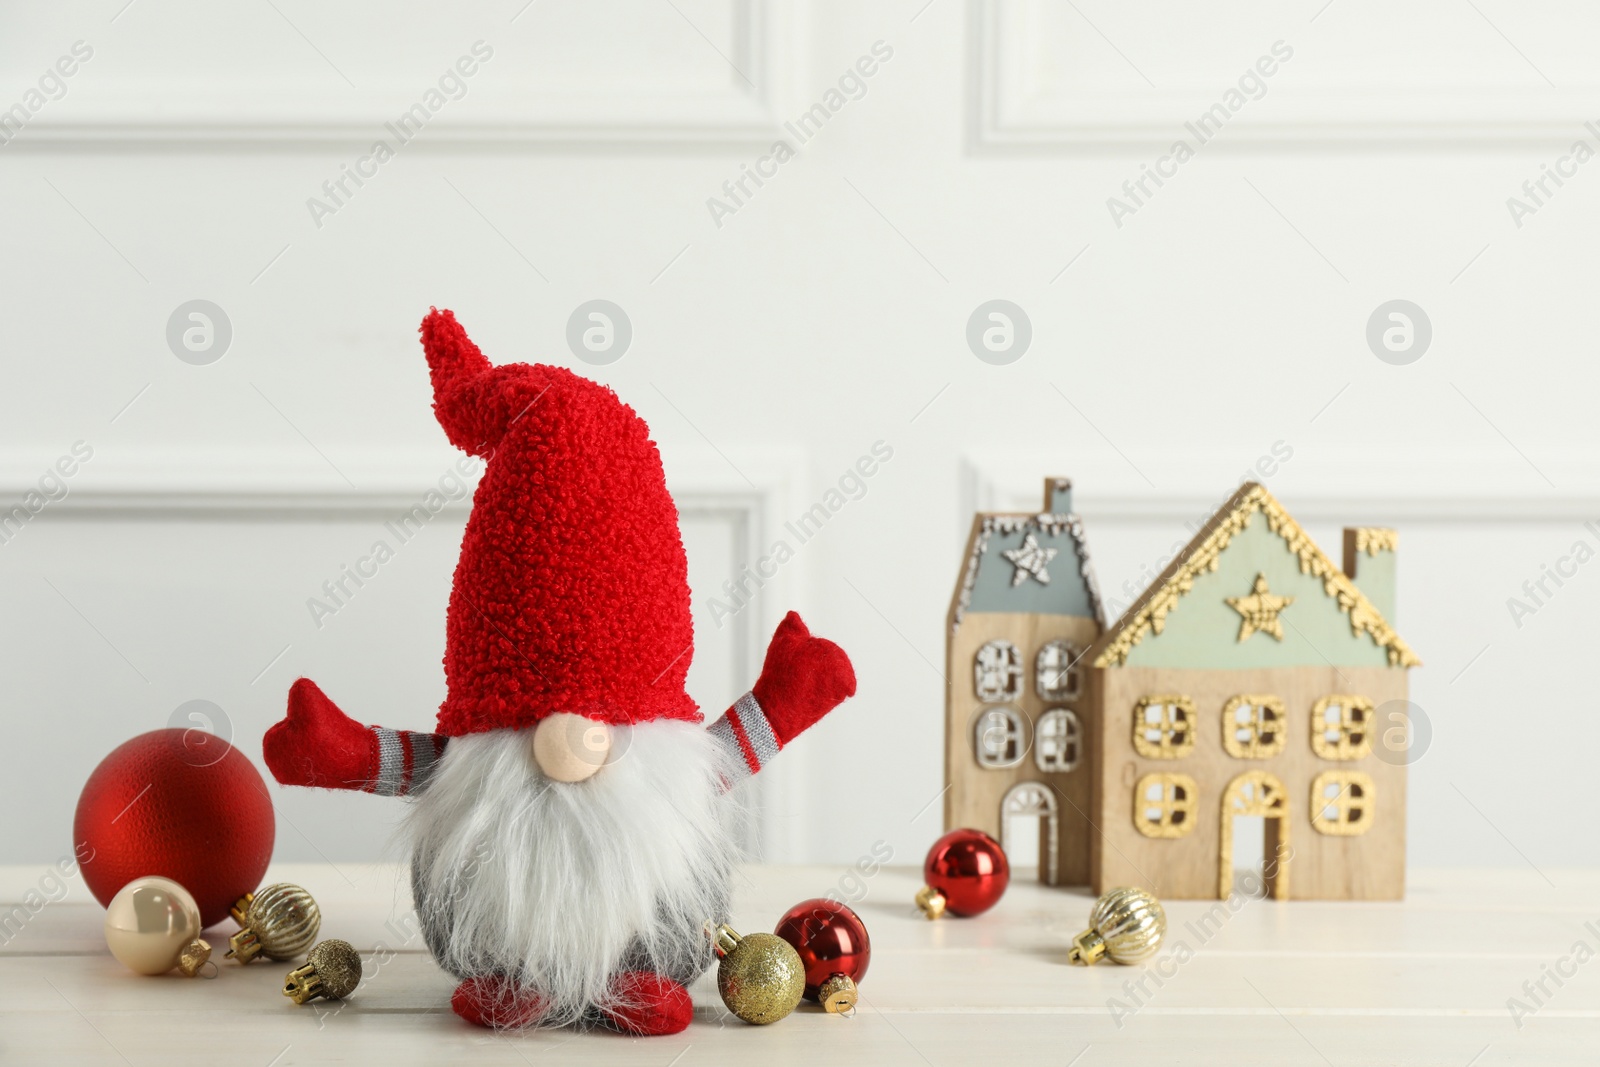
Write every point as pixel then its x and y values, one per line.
pixel 1426 981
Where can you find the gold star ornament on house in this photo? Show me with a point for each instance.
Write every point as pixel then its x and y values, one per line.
pixel 1030 558
pixel 1260 610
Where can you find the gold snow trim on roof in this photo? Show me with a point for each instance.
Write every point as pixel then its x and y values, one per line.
pixel 1204 554
pixel 1375 539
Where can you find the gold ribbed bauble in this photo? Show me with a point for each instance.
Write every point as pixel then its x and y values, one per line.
pixel 279 922
pixel 332 970
pixel 1126 925
pixel 760 977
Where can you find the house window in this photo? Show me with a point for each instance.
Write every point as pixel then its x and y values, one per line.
pixel 1341 803
pixel 1163 727
pixel 1056 675
pixel 1057 740
pixel 1341 727
pixel 1163 805
pixel 999 737
pixel 997 672
pixel 1253 726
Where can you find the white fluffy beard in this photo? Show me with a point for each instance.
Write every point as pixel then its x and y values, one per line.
pixel 560 886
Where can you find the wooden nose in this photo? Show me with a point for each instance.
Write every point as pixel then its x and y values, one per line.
pixel 570 748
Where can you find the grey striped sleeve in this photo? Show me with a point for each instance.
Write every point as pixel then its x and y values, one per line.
pixel 757 729
pixel 746 734
pixel 391 780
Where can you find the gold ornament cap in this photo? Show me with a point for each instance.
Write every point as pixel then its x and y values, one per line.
pixel 838 995
pixel 332 970
pixel 195 955
pixel 1126 925
pixel 931 901
pixel 241 909
pixel 243 946
pixel 760 978
pixel 1087 948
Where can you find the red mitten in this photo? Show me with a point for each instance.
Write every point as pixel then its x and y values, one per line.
pixel 803 679
pixel 319 745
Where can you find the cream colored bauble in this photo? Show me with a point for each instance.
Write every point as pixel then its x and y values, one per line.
pixel 153 925
pixel 570 748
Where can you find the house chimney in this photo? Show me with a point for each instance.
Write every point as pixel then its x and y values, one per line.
pixel 1057 496
pixel 1369 561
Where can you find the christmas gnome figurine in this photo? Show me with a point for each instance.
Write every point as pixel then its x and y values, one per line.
pixel 569 828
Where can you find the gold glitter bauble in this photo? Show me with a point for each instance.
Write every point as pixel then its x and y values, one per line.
pixel 153 925
pixel 332 970
pixel 1126 924
pixel 760 977
pixel 279 922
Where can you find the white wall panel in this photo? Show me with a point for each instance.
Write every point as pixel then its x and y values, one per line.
pixel 1049 75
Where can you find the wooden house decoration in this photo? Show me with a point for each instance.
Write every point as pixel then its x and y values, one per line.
pixel 1023 615
pixel 1249 680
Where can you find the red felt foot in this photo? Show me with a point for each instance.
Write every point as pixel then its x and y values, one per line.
pixel 489 1000
pixel 802 679
pixel 648 1005
pixel 316 744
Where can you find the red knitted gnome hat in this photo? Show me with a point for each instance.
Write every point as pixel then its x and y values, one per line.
pixel 572 590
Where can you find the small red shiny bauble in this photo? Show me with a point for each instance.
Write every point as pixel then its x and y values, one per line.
pixel 834 949
pixel 182 804
pixel 966 874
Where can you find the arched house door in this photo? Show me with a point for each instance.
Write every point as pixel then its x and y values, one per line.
pixel 1257 793
pixel 1027 801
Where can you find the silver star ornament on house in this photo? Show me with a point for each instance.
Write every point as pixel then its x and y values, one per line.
pixel 1030 558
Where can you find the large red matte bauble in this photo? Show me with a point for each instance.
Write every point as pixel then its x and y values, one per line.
pixel 830 938
pixel 969 868
pixel 182 804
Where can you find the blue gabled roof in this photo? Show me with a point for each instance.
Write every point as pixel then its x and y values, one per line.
pixel 1036 564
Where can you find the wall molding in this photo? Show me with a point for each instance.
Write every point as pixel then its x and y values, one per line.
pixel 1008 110
pixel 275 117
pixel 1009 481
